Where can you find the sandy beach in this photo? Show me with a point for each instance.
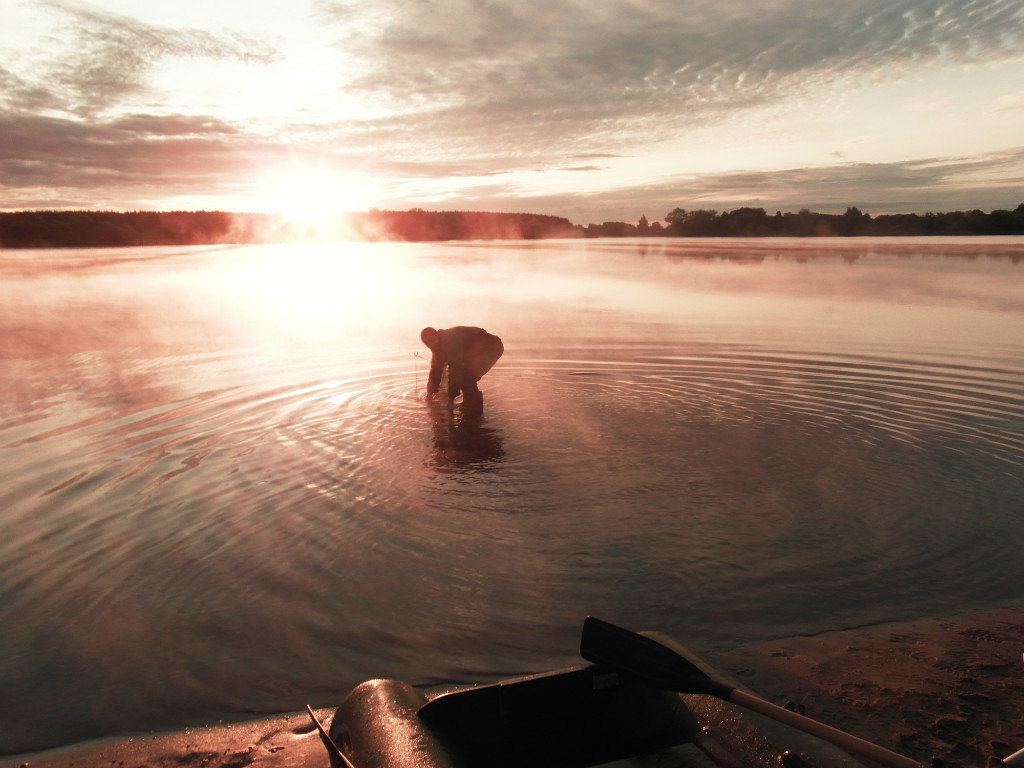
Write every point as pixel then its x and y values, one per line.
pixel 951 688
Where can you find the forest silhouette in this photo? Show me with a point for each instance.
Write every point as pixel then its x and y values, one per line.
pixel 60 229
pixel 756 222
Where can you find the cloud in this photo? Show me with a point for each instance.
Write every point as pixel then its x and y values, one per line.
pixel 61 162
pixel 472 91
pixel 177 154
pixel 56 152
pixel 426 169
pixel 24 95
pixel 937 184
pixel 1012 102
pixel 561 76
pixel 869 184
pixel 101 58
pixel 65 131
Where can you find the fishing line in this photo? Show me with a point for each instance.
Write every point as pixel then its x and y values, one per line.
pixel 416 368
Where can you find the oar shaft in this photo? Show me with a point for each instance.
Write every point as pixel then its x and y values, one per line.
pixel 840 738
pixel 1016 759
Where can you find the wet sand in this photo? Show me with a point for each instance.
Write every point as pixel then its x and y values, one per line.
pixel 951 687
pixel 283 741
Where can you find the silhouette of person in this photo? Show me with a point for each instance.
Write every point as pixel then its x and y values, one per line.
pixel 468 353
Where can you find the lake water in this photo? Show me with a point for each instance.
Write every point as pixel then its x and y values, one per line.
pixel 223 493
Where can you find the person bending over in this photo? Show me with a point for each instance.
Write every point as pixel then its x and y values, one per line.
pixel 469 353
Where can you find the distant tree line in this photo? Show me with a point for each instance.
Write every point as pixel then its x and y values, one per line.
pixel 59 229
pixel 755 222
pixel 418 225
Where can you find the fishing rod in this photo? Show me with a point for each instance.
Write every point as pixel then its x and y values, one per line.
pixel 416 368
pixel 325 737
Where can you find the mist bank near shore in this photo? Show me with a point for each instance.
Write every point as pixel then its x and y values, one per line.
pixel 83 229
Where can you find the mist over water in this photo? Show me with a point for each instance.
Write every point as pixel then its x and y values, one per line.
pixel 223 492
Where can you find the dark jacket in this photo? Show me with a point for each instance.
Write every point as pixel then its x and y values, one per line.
pixel 468 352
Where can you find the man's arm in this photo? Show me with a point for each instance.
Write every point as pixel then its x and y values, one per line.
pixel 455 356
pixel 434 377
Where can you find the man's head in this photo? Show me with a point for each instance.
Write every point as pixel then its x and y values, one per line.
pixel 429 336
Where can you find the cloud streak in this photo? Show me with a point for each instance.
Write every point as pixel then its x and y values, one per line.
pixel 465 99
pixel 102 58
pixel 545 72
pixel 930 184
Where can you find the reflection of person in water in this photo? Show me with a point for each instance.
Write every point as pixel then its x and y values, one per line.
pixel 468 353
pixel 464 443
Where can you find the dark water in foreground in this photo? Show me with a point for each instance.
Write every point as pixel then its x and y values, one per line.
pixel 223 494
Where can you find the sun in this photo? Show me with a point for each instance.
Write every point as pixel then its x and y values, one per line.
pixel 314 200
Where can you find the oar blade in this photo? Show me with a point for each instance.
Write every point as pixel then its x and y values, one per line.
pixel 604 643
pixel 646 658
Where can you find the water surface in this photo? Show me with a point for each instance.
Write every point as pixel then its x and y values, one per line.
pixel 224 494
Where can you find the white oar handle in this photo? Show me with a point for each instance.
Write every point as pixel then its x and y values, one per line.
pixel 1016 759
pixel 842 739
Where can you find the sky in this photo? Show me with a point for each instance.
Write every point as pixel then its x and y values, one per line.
pixel 588 109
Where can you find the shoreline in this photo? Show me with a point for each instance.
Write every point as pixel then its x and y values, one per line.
pixel 949 687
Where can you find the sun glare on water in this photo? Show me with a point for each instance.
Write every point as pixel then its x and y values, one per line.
pixel 302 295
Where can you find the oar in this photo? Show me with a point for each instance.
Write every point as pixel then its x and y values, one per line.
pixel 646 658
pixel 325 737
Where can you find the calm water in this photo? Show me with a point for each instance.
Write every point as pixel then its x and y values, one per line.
pixel 223 493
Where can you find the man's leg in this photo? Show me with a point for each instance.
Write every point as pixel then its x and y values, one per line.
pixel 456 381
pixel 472 399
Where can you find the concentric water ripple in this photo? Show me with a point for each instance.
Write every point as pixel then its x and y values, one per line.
pixel 351 518
pixel 204 527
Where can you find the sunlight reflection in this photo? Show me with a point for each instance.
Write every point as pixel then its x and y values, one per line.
pixel 344 294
